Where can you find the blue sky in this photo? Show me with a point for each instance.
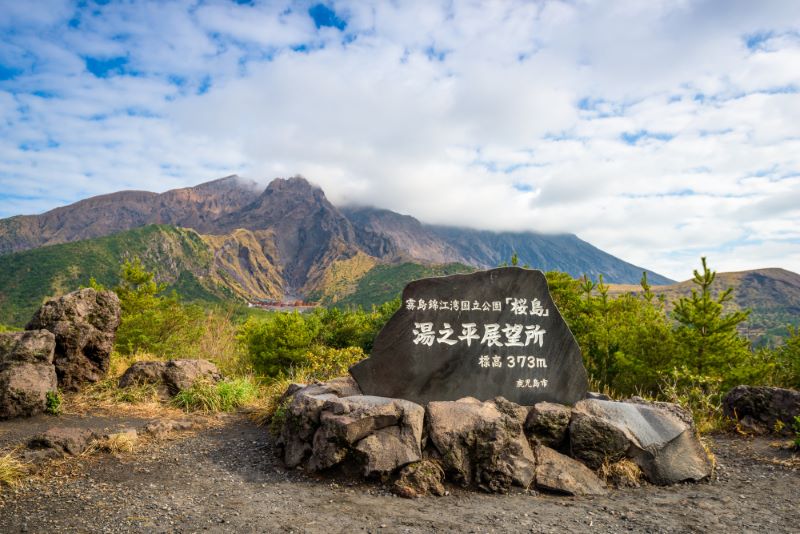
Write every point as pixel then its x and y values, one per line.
pixel 657 130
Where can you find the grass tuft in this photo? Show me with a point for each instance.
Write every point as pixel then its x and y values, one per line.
pixel 224 396
pixel 621 474
pixel 12 470
pixel 123 442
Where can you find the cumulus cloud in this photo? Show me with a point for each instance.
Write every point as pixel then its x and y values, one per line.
pixel 658 130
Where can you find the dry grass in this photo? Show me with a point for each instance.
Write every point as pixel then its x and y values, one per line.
pixel 621 474
pixel 12 470
pixel 120 443
pixel 604 389
pixel 706 444
pixel 106 397
pixel 218 343
pixel 264 407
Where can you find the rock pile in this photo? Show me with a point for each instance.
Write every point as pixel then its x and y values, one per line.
pixel 66 344
pixel 490 445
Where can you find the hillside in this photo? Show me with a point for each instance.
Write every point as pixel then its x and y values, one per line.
pixel 772 295
pixel 302 236
pixel 198 267
pixel 386 282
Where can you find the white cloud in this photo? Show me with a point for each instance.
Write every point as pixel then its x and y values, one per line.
pixel 658 131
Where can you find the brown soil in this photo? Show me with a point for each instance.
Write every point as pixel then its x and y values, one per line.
pixel 226 478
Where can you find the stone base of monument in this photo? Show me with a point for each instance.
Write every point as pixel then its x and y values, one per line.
pixel 491 445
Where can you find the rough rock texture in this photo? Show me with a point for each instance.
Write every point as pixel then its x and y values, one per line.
pixel 65 441
pixel 760 408
pixel 171 376
pixel 594 440
pixel 663 445
pixel 559 473
pixel 182 374
pixel 481 443
pixel 304 404
pixel 326 423
pixel 549 423
pixel 141 373
pixel 386 433
pixel 27 373
pixel 84 323
pixel 419 479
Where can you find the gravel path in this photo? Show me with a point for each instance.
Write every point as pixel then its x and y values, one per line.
pixel 226 479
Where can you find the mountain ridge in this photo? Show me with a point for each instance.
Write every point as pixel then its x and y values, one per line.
pixel 309 234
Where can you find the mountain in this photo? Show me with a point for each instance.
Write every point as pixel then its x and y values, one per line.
pixel 191 207
pixel 772 296
pixel 286 240
pixel 486 249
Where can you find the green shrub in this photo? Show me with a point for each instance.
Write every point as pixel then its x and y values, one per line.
pixel 54 402
pixel 796 428
pixel 151 321
pixel 224 396
pixel 280 341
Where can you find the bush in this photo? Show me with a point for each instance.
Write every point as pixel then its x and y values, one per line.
pixel 279 342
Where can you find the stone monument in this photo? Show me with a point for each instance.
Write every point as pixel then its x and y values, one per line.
pixel 483 335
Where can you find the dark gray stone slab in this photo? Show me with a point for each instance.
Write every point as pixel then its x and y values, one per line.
pixel 487 334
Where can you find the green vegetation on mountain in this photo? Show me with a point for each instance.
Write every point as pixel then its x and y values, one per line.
pixel 386 282
pixel 30 277
pixel 771 295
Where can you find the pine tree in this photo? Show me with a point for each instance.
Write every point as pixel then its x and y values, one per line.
pixel 709 335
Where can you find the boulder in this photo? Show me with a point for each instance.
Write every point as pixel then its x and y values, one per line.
pixel 762 409
pixel 65 441
pixel 549 423
pixel 171 376
pixel 27 373
pixel 481 443
pixel 562 474
pixel 664 446
pixel 302 414
pixel 383 433
pixel 84 323
pixel 143 373
pixel 180 375
pixel 301 421
pixel 595 440
pixel 30 346
pixel 418 479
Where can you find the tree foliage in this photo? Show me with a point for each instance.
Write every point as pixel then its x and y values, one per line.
pixel 709 339
pixel 152 321
pixel 284 341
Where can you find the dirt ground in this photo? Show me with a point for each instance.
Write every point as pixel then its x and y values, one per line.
pixel 226 478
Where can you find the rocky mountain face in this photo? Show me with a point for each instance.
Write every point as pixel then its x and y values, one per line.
pixel 295 237
pixel 197 207
pixel 486 249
